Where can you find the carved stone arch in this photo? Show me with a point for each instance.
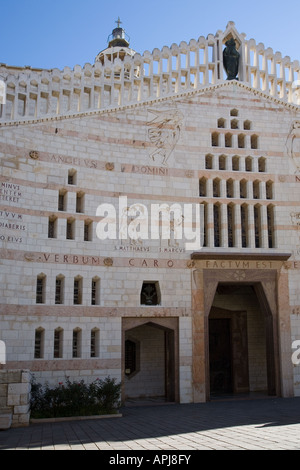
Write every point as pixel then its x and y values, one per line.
pixel 169 330
pixel 270 287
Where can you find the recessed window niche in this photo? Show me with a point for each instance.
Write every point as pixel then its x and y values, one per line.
pixel 150 293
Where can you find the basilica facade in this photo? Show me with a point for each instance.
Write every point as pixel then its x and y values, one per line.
pixel 150 219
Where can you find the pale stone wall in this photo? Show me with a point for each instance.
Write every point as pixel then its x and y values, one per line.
pixel 14 398
pixel 115 150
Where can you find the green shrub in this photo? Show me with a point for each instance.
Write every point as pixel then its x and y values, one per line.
pixel 74 398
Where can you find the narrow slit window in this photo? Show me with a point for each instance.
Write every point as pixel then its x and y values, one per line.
pixel 217 225
pixel 40 289
pixel 59 290
pixel 230 219
pixel 39 343
pixel 95 342
pixel 257 225
pixel 76 343
pixel 271 227
pixel 52 227
pixel 244 225
pixel 77 294
pixel 95 291
pixel 58 344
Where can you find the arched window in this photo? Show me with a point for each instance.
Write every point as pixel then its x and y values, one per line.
pixel 228 140
pixel 236 163
pixel 203 187
pixel 217 225
pixel 221 123
pixel 77 294
pixel 254 141
pixel 41 289
pixel 248 164
pixel 80 202
pixel 70 229
pixel 234 124
pixel 95 291
pixel 39 343
pixel 59 289
pixel 243 189
pixel 209 162
pixel 88 230
pixel 62 200
pixel 95 342
pixel 262 165
pixel 205 221
pixel 230 225
pixel 222 162
pixel 215 139
pixel 241 141
pixel 52 227
pixel 271 226
pixel 72 177
pixel 58 343
pixel 247 125
pixel 76 343
pixel 244 225
pixel 216 187
pixel 257 225
pixel 256 190
pixel 229 188
pixel 269 189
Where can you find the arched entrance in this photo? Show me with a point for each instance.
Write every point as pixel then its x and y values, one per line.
pixel 250 319
pixel 241 360
pixel 266 276
pixel 150 359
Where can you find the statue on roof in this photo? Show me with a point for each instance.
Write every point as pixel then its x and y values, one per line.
pixel 231 59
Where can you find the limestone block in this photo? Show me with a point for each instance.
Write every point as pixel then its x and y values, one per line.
pixel 17 388
pixel 5 420
pixel 3 390
pixel 13 400
pixel 21 410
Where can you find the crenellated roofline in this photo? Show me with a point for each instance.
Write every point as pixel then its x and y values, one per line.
pixel 123 80
pixel 205 90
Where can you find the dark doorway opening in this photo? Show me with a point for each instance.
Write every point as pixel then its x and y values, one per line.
pixel 220 362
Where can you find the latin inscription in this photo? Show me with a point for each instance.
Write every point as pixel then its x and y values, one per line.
pixel 10 192
pixel 231 264
pixel 74 161
pixel 146 170
pixel 11 222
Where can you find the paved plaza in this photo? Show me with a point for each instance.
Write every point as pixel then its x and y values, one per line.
pixel 261 424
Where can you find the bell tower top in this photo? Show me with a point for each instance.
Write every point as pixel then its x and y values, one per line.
pixel 118 38
pixel 118 45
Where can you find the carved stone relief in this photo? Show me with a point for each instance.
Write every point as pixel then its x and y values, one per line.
pixel 293 144
pixel 164 128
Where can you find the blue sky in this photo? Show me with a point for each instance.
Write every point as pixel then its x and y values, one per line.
pixel 58 33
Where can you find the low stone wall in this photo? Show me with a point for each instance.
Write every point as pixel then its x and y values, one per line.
pixel 14 398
